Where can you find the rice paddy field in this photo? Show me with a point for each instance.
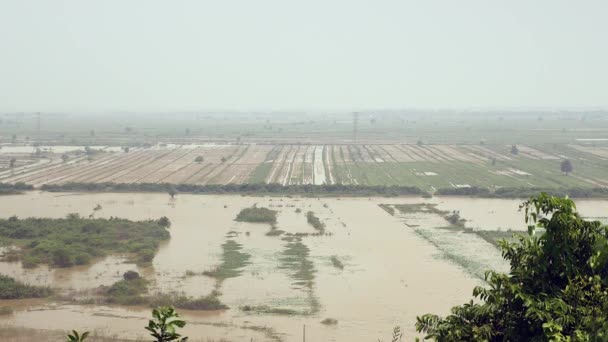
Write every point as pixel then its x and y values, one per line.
pixel 427 149
pixel 428 166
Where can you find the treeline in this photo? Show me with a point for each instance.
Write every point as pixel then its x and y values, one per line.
pixel 524 192
pixel 310 190
pixel 306 189
pixel 10 189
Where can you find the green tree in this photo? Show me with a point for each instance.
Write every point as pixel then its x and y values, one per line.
pixel 557 289
pixel 199 159
pixel 65 157
pixel 514 150
pixel 172 192
pixel 566 166
pixel 164 324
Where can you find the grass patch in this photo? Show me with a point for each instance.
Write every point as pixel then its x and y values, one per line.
pixel 315 222
pixel 336 262
pixel 128 291
pixel 257 215
pixel 75 241
pixel 274 231
pixel 329 321
pixel 6 310
pixel 453 217
pixel 14 289
pixel 295 259
pixel 132 290
pixel 233 260
pixel 265 309
pixel 181 301
pixel 388 208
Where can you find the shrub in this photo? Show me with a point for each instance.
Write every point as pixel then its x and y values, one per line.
pixel 257 215
pixel 13 289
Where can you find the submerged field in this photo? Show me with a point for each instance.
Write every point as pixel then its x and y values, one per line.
pixel 367 264
pixel 429 167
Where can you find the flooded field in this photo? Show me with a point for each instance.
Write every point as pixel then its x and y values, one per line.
pixel 393 264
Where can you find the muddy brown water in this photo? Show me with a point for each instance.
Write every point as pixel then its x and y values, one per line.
pixel 391 274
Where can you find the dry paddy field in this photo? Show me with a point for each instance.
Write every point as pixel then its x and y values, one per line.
pixel 426 166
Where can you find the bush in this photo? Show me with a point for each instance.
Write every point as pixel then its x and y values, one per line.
pixel 13 289
pixel 257 215
pixel 76 241
pixel 315 222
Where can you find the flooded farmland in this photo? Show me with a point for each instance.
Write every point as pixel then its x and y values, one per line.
pixel 394 266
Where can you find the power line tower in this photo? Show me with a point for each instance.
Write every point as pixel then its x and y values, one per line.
pixel 355 126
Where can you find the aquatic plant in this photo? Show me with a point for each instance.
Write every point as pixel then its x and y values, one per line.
pixel 315 222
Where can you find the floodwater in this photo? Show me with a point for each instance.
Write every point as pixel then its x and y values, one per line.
pixel 395 267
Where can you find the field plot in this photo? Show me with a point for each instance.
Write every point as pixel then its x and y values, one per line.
pixel 428 166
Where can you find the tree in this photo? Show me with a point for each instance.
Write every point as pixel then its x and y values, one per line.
pixel 12 162
pixel 566 166
pixel 163 326
pixel 65 157
pixel 172 192
pixel 419 142
pixel 223 159
pixel 199 159
pixel 130 275
pixel 557 289
pixel 514 150
pixel 164 222
pixel 126 149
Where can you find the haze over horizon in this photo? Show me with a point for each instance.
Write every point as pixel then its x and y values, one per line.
pixel 236 55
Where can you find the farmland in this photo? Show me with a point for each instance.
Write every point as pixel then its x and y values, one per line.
pixel 427 166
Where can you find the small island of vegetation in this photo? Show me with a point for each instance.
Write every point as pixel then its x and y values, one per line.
pixel 257 215
pixel 75 240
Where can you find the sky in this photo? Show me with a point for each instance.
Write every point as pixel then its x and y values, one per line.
pixel 150 55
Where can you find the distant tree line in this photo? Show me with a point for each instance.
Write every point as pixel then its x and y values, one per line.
pixel 8 189
pixel 308 189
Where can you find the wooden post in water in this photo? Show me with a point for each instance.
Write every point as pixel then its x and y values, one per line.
pixel 304 333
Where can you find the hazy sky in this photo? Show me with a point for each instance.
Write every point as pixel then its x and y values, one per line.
pixel 281 54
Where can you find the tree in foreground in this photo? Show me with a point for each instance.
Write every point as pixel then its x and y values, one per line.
pixel 162 327
pixel 566 166
pixel 164 324
pixel 75 337
pixel 557 289
pixel 199 159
